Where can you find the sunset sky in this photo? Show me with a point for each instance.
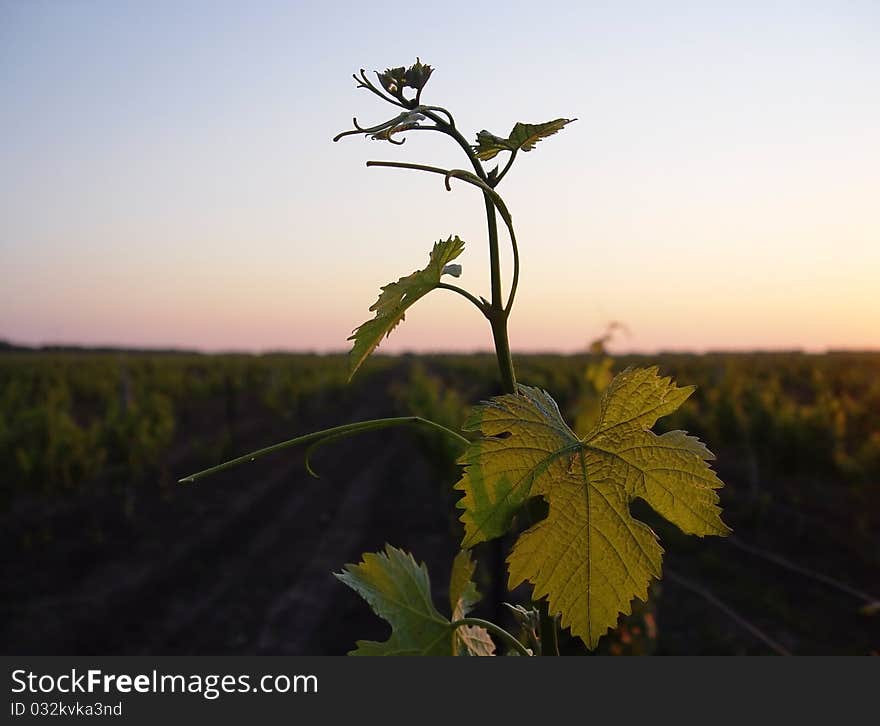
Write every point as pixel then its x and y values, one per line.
pixel 167 175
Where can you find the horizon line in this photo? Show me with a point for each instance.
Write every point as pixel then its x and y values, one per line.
pixel 10 346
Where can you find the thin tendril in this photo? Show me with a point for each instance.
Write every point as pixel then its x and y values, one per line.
pixel 318 437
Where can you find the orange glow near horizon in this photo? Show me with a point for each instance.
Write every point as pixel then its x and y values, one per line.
pixel 162 188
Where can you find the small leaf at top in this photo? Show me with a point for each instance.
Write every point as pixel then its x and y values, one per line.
pixel 398 296
pixel 417 75
pixel 394 80
pixel 523 137
pixel 590 557
pixel 399 591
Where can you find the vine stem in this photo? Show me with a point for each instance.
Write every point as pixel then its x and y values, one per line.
pixel 317 437
pixel 450 130
pixel 496 630
pixel 498 321
pixel 497 312
pixel 498 316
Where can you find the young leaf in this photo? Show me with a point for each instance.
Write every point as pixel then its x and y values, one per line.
pixel 590 557
pixel 394 80
pixel 523 137
pixel 399 591
pixel 417 75
pixel 463 595
pixel 397 297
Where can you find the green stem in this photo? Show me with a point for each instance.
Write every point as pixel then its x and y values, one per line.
pixel 454 133
pixel 494 257
pixel 407 165
pixel 505 169
pixel 450 122
pixel 498 321
pixel 318 436
pixel 465 294
pixel 498 316
pixel 497 312
pixel 515 281
pixel 496 630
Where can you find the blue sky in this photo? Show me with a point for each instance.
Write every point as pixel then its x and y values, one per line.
pixel 167 175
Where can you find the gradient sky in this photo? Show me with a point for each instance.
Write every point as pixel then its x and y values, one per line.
pixel 167 176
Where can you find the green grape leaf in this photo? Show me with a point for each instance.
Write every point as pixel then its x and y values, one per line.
pixel 489 145
pixel 590 557
pixel 399 591
pixel 463 595
pixel 397 297
pixel 523 137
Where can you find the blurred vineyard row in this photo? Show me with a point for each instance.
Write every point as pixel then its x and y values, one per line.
pixel 797 432
pixel 68 418
pixel 92 443
pixel 782 414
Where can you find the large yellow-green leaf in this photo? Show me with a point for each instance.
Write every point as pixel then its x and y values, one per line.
pixel 397 297
pixel 523 137
pixel 399 591
pixel 589 557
